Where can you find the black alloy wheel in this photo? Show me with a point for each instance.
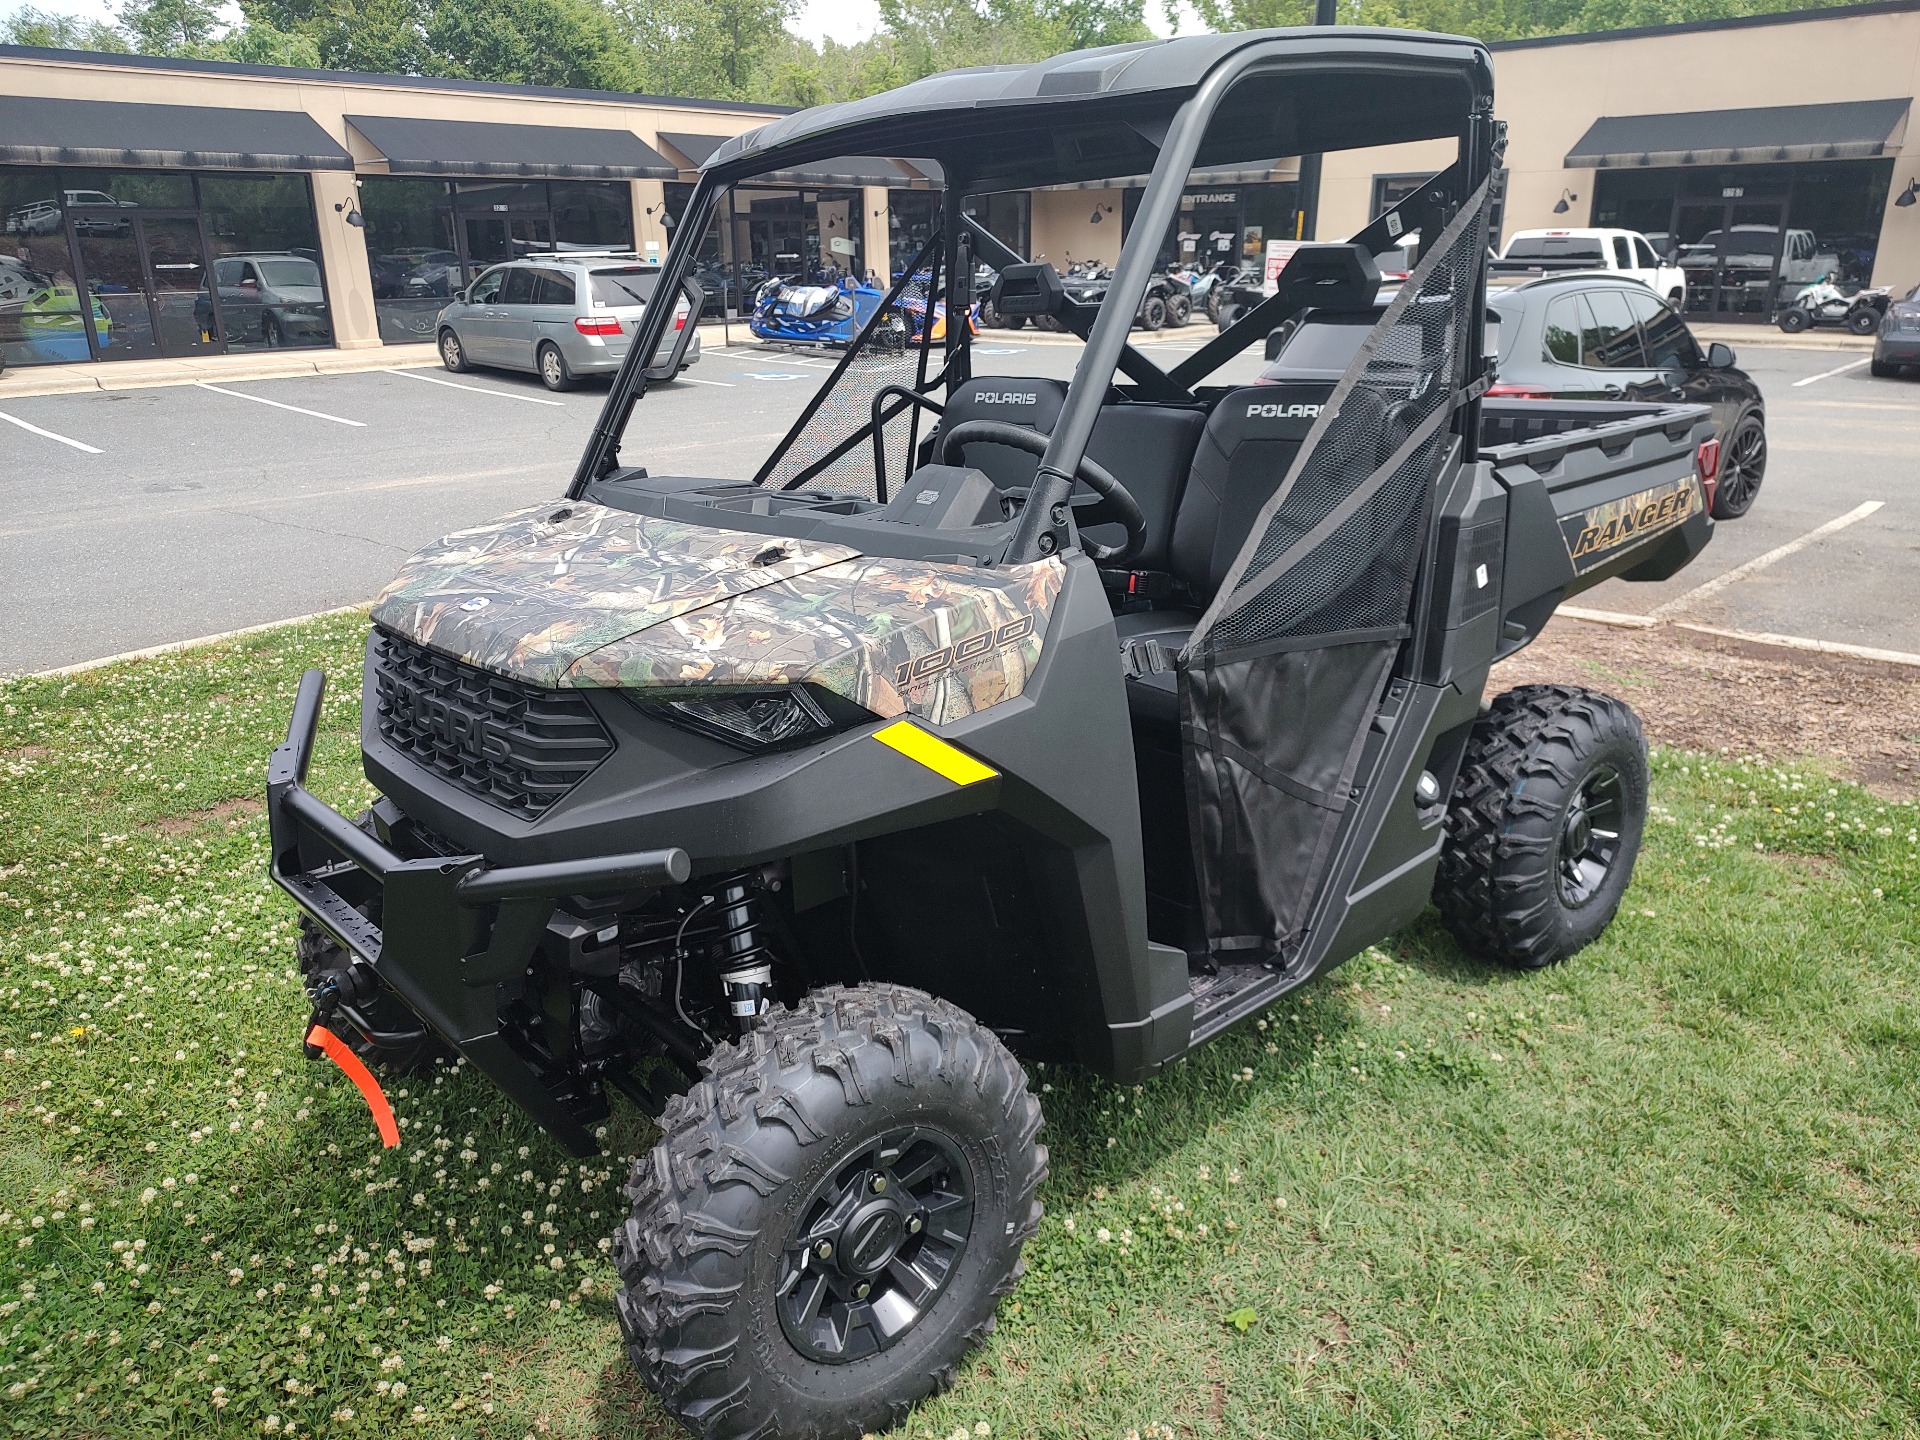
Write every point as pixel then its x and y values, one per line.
pixel 1544 825
pixel 830 1217
pixel 1590 835
pixel 1743 465
pixel 877 1242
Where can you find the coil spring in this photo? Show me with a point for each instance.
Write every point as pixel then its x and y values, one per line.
pixel 746 965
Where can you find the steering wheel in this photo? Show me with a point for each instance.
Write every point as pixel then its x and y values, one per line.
pixel 1112 495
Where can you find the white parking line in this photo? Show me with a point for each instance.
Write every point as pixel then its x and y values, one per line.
pixel 48 434
pixel 281 405
pixel 1761 562
pixel 1829 374
pixel 688 379
pixel 476 389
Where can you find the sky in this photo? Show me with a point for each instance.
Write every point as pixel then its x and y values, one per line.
pixel 842 20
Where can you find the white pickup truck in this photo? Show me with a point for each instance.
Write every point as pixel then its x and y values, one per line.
pixel 1623 252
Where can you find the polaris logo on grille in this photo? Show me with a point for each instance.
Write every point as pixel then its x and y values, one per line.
pixel 466 732
pixel 1282 412
pixel 1008 397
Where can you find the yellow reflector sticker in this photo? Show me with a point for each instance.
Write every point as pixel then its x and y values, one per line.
pixel 934 753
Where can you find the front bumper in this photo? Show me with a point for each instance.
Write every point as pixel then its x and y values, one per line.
pixel 451 927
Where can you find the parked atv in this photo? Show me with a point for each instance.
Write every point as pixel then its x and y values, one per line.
pixel 1823 303
pixel 991 719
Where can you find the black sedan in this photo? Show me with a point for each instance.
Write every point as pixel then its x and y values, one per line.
pixel 1585 337
pixel 1897 344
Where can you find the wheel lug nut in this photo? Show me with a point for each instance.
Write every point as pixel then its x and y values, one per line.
pixel 914 1225
pixel 824 1249
pixel 862 1290
pixel 879 1183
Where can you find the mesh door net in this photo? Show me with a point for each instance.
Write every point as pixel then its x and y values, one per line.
pixel 1285 670
pixel 830 446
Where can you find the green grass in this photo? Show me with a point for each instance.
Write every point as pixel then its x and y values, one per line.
pixel 1671 1189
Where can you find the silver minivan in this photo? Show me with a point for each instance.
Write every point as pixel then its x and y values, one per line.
pixel 560 316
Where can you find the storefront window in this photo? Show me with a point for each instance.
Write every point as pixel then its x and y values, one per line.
pixel 266 260
pixel 910 217
pixel 40 320
pixel 411 252
pixel 1007 216
pixel 1750 237
pixel 592 214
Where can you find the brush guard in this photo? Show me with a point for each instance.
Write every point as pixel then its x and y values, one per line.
pixel 451 928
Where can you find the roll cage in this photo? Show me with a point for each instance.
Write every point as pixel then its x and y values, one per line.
pixel 1167 107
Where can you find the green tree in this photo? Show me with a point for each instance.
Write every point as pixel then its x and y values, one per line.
pixel 716 49
pixel 383 36
pixel 28 26
pixel 171 27
pixel 532 42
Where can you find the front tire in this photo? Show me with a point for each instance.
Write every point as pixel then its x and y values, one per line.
pixel 830 1218
pixel 453 354
pixel 1179 311
pixel 1153 314
pixel 1794 321
pixel 1545 825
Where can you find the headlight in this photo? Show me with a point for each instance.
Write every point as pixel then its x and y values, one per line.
pixel 759 719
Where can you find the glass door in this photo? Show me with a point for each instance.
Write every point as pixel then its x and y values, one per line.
pixel 1731 252
pixel 179 285
pixel 146 278
pixel 491 239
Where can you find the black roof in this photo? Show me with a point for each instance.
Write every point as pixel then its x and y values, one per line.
pixel 1103 112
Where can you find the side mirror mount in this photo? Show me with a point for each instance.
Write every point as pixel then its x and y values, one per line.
pixel 1720 356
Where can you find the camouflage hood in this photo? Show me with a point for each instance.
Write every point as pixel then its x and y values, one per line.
pixel 576 594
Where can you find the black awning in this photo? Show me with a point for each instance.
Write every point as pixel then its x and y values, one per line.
pixel 695 147
pixel 1846 130
pixel 844 170
pixel 475 147
pixel 37 131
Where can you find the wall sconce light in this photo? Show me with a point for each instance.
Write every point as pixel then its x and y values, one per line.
pixel 1564 203
pixel 1904 200
pixel 352 215
pixel 1099 213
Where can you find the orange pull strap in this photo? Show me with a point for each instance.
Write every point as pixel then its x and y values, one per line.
pixel 337 1051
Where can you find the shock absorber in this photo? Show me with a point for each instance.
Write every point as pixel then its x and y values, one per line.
pixel 746 971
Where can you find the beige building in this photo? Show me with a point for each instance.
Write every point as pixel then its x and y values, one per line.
pixel 152 207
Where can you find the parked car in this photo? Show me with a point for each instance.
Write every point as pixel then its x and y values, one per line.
pixel 559 316
pixel 39 217
pixel 271 296
pixel 1897 346
pixel 1583 337
pixel 1619 252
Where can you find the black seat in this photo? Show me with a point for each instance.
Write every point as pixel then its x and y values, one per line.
pixel 1248 446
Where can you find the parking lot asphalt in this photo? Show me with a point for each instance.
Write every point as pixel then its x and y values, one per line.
pixel 139 518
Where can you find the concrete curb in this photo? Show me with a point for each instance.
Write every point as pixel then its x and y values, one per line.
pixel 148 374
pixel 1621 621
pixel 174 646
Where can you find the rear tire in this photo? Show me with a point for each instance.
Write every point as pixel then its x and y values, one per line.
pixel 1179 311
pixel 784 1149
pixel 555 373
pixel 1863 322
pixel 1881 370
pixel 1545 825
pixel 1743 465
pixel 453 354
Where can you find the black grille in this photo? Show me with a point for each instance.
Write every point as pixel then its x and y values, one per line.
pixel 518 746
